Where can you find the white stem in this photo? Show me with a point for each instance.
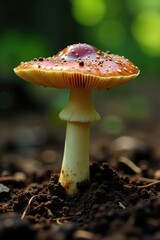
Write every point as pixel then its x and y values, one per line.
pixel 78 113
pixel 75 165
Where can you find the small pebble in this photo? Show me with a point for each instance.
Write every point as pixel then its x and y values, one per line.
pixel 125 143
pixel 157 174
pixel 4 191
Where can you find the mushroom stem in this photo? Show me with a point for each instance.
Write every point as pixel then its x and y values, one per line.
pixel 79 113
pixel 79 107
pixel 75 165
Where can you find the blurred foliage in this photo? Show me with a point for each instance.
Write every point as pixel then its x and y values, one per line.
pixel 14 44
pixel 112 124
pixel 127 27
pixel 87 15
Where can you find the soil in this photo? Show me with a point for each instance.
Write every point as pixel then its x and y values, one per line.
pixel 121 201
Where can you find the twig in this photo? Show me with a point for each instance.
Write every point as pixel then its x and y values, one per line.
pixel 58 220
pixel 150 184
pixel 130 164
pixel 138 178
pixel 27 207
pixel 145 186
pixel 10 180
pixel 82 234
pixel 50 214
pixel 121 205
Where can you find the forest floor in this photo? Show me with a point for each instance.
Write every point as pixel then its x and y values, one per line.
pixel 120 202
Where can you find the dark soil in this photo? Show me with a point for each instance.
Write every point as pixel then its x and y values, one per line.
pixel 120 201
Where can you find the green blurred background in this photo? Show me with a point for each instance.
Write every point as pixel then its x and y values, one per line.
pixel 42 28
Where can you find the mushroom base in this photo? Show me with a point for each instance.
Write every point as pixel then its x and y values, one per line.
pixel 75 165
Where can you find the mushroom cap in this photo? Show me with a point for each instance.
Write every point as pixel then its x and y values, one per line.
pixel 79 66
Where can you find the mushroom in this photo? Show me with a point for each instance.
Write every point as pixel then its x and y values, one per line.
pixel 81 68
